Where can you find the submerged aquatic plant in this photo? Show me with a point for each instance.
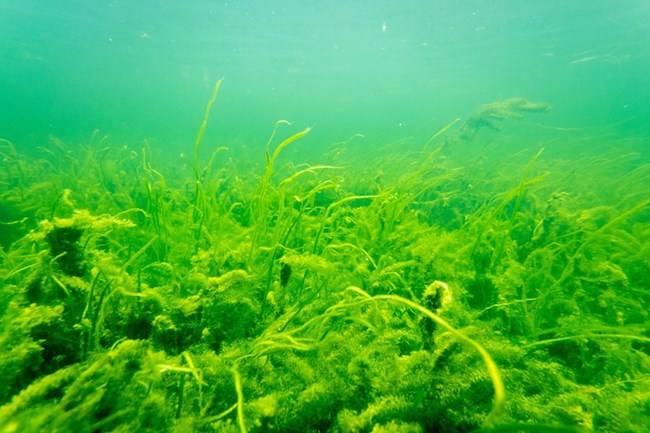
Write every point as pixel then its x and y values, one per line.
pixel 312 299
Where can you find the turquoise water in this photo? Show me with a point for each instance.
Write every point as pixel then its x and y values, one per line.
pixel 383 68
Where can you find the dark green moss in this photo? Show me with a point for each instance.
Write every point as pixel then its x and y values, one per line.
pixel 64 246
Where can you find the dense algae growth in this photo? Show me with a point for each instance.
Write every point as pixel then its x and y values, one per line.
pixel 422 290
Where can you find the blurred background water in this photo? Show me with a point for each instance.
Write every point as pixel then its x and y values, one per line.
pixel 386 69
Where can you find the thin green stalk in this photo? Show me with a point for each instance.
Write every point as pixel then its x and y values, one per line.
pixel 260 220
pixel 181 393
pixel 204 124
pixel 198 205
pixel 141 251
pixel 585 337
pixel 240 401
pixel 442 130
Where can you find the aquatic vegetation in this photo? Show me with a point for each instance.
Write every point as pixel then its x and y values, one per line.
pixel 411 291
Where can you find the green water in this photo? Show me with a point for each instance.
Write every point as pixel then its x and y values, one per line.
pixel 296 216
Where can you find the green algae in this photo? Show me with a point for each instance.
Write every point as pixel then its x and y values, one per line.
pixel 304 298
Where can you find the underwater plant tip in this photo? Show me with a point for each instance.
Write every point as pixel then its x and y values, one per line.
pixel 199 136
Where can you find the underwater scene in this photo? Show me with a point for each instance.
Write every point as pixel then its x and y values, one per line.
pixel 325 216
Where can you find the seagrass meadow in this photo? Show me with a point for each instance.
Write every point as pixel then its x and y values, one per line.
pixel 427 289
pixel 333 216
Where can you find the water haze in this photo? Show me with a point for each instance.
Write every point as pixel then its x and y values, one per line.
pixel 385 69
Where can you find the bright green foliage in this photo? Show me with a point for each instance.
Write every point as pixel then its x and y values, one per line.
pixel 399 291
